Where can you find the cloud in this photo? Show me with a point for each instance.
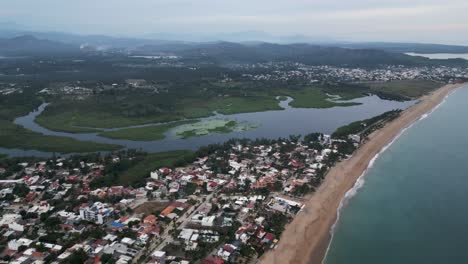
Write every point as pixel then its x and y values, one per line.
pixel 362 19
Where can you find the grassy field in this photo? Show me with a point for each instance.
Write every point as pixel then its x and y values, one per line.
pixel 408 89
pixel 315 98
pixel 83 122
pixel 14 136
pixel 148 133
pixel 152 162
pixel 81 116
pixel 248 104
pixel 150 207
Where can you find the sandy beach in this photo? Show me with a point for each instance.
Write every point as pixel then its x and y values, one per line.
pixel 306 238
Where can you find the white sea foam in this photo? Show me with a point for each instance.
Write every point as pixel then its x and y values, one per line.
pixel 360 181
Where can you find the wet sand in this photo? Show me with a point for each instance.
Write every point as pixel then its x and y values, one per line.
pixel 307 237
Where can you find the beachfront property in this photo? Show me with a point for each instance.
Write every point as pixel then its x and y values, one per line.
pixel 229 205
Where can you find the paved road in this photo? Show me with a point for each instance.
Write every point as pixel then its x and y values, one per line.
pixel 166 237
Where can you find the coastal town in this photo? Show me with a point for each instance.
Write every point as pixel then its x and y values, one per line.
pixel 270 72
pixel 229 132
pixel 286 71
pixel 229 205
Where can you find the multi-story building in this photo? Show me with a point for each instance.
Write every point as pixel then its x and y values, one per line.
pixel 97 213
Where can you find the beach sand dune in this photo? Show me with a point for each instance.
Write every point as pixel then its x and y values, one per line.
pixel 306 238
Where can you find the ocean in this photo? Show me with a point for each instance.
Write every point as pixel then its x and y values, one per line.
pixel 412 206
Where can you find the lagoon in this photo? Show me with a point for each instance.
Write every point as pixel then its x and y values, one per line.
pixel 268 124
pixel 441 56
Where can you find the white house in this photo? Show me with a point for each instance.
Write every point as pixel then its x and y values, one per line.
pixel 154 175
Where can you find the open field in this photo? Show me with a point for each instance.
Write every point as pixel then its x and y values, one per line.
pixel 150 207
pixel 85 115
pixel 405 90
pixel 83 121
pixel 199 107
pixel 148 133
pixel 315 98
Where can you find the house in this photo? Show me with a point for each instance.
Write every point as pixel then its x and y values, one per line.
pixel 127 241
pixel 9 219
pixel 16 243
pixel 355 138
pixel 269 237
pixel 186 234
pixel 211 186
pixel 16 227
pixel 150 220
pixel 154 175
pixel 30 197
pixel 208 220
pixel 159 256
pixel 213 260
pixel 225 251
pixel 167 211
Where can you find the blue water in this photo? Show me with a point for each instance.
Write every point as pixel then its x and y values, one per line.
pixel 413 206
pixel 270 124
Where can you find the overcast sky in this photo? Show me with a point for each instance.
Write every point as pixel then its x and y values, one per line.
pixel 437 21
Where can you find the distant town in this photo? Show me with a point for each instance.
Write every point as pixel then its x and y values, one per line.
pixel 289 71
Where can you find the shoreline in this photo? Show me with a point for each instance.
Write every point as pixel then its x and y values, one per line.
pixel 307 238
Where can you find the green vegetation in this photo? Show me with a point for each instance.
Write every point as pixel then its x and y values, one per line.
pixel 109 111
pixel 367 126
pixel 184 129
pixel 148 133
pixel 135 172
pixel 402 90
pixel 82 121
pixel 313 97
pixel 14 136
pixel 125 108
pixel 195 108
pixel 154 161
pixel 206 127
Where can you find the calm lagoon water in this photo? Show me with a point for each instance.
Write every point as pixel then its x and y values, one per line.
pixel 270 124
pixel 413 206
pixel 441 55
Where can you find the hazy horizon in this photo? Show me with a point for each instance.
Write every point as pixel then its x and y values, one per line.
pixel 432 21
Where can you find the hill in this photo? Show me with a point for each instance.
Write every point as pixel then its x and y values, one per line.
pixel 230 52
pixel 28 45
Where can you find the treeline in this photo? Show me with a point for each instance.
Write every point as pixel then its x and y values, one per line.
pixel 359 127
